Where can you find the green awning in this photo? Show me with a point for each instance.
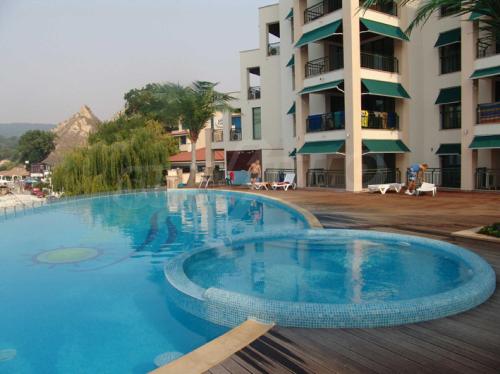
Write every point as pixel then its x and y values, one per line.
pixel 474 16
pixel 291 62
pixel 449 149
pixel 484 73
pixel 385 88
pixel 449 37
pixel 293 153
pixel 449 95
pixel 384 29
pixel 385 146
pixel 321 87
pixel 291 110
pixel 290 15
pixel 323 147
pixel 486 142
pixel 319 33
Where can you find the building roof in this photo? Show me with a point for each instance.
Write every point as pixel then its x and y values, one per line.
pixel 200 156
pixel 17 171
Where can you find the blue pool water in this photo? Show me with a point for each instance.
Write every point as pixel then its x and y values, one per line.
pixel 82 288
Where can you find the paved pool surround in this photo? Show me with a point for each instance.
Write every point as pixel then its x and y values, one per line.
pixel 231 309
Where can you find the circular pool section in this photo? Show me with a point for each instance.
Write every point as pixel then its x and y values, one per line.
pixel 329 278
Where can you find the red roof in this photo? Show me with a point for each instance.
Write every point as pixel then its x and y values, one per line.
pixel 200 156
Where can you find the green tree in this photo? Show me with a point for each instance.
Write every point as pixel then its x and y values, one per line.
pixel 8 148
pixel 195 105
pixel 134 160
pixel 35 145
pixel 152 102
pixel 489 9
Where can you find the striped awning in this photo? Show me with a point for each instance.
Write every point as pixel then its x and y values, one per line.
pixel 449 95
pixel 384 29
pixel 321 87
pixel 449 37
pixel 319 33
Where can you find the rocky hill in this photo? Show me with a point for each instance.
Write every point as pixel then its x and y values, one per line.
pixel 73 133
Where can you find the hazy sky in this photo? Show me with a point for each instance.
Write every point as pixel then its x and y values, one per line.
pixel 56 55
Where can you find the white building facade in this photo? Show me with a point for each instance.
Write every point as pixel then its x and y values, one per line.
pixel 346 99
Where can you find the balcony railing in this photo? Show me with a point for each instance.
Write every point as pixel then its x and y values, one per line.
pixel 319 10
pixel 379 120
pixel 336 121
pixel 487 179
pixel 235 135
pixel 441 177
pixel 273 49
pixel 488 113
pixel 379 62
pixel 217 135
pixel 387 8
pixel 254 93
pixel 325 122
pixel 336 178
pixel 276 175
pixel 325 64
pixel 450 63
pixel 486 47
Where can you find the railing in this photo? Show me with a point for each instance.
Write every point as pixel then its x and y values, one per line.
pixel 217 135
pixel 487 47
pixel 276 175
pixel 487 179
pixel 450 63
pixel 386 7
pixel 325 64
pixel 441 177
pixel 488 113
pixel 325 122
pixel 450 119
pixel 273 49
pixel 319 10
pixel 336 178
pixel 254 93
pixel 379 120
pixel 235 135
pixel 379 62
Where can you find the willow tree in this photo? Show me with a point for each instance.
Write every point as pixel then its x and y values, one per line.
pixel 489 10
pixel 130 162
pixel 195 105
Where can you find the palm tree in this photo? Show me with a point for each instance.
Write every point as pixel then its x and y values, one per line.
pixel 489 9
pixel 195 105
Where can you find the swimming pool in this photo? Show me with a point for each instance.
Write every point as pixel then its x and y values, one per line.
pixel 82 287
pixel 329 278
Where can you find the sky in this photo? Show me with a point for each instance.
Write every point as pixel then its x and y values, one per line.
pixel 57 55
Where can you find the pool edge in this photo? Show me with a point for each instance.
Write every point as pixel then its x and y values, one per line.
pixel 214 352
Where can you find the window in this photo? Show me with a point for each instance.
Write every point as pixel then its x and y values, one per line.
pixel 293 78
pixel 448 10
pixel 450 58
pixel 273 39
pixel 451 116
pixel 256 123
pixel 294 125
pixel 183 140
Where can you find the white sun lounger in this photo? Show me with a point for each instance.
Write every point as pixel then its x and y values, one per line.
pixel 288 182
pixel 258 185
pixel 383 188
pixel 427 187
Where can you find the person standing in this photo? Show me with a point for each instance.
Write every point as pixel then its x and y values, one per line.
pixel 415 171
pixel 255 171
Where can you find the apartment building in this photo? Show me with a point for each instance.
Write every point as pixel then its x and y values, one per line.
pixel 346 98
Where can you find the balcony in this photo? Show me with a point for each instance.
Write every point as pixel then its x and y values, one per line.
pixel 254 93
pixel 273 49
pixel 235 135
pixel 325 122
pixel 379 62
pixel 217 135
pixel 319 10
pixel 442 177
pixel 379 120
pixel 336 178
pixel 487 179
pixel 485 47
pixel 388 8
pixel 336 121
pixel 324 65
pixel 488 113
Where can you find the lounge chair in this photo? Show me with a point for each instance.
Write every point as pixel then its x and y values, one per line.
pixel 427 187
pixel 258 185
pixel 288 182
pixel 383 188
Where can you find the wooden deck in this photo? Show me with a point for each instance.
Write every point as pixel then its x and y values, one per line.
pixel 465 343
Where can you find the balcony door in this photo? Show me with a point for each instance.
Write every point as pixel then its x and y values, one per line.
pixel 450 171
